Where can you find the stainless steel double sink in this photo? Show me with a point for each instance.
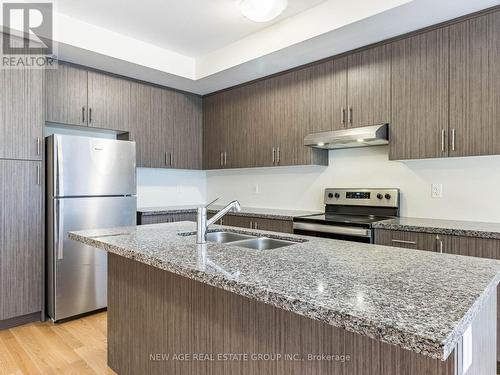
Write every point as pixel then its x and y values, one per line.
pixel 248 241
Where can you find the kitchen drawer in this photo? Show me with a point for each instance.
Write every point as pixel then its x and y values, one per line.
pixel 409 240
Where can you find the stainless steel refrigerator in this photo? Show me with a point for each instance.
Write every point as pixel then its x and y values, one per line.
pixel 91 184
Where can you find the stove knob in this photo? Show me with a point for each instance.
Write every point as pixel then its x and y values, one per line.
pixel 330 195
pixel 388 196
pixel 379 196
pixel 337 195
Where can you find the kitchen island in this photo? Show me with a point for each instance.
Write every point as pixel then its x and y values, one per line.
pixel 318 306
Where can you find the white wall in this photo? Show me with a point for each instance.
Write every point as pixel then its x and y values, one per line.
pixel 167 187
pixel 470 185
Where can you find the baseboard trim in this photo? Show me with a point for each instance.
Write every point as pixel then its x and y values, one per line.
pixel 20 320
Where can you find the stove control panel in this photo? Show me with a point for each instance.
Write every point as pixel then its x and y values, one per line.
pixel 363 197
pixel 358 195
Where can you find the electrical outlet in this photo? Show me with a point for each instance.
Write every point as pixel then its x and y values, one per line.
pixel 437 190
pixel 256 189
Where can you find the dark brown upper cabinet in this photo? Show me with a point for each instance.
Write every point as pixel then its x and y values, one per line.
pixel 475 86
pixel 67 95
pixel 328 95
pixel 212 132
pixel 369 87
pixel 261 124
pixel 420 94
pixel 231 126
pixel 108 102
pixel 262 110
pixel 188 132
pixel 76 96
pixel 151 127
pixel 264 123
pixel 140 121
pixel 22 113
pixel 292 121
pixel 161 137
pixel 230 139
pixel 166 126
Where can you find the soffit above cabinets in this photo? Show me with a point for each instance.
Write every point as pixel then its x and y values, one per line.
pixel 203 46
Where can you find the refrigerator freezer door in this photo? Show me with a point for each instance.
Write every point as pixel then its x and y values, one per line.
pixel 85 166
pixel 77 273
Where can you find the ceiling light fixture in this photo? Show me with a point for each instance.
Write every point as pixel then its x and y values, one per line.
pixel 262 10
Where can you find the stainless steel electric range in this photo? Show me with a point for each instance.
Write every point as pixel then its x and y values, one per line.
pixel 350 213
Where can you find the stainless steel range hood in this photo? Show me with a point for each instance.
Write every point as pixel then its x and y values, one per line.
pixel 376 135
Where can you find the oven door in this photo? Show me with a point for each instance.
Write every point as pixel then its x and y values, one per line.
pixel 337 232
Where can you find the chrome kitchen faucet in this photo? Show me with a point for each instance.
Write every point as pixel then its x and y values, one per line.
pixel 202 222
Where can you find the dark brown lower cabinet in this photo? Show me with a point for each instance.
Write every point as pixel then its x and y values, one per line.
pixel 408 240
pixel 198 318
pixel 234 221
pixel 272 225
pixel 165 218
pixel 458 245
pixel 21 240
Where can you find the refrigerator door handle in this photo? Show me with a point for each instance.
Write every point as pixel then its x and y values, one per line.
pixel 60 229
pixel 59 188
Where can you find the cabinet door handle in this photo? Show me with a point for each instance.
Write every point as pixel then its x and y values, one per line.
pixel 278 156
pixel 38 175
pixel 404 242
pixel 251 225
pixel 171 159
pixel 221 159
pixel 453 133
pixel 38 146
pixel 274 156
pixel 90 115
pixel 166 158
pixel 342 116
pixel 83 114
pixel 255 226
pixel 443 140
pixel 349 115
pixel 225 158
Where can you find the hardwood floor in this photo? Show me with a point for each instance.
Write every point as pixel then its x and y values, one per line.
pixel 75 347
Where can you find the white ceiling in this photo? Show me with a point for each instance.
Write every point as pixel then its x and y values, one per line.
pixel 190 27
pixel 202 46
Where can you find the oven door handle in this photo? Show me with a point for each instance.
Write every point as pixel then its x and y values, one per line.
pixel 333 229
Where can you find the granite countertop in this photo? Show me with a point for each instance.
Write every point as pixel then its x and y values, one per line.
pixel 437 226
pixel 266 213
pixel 165 210
pixel 419 300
